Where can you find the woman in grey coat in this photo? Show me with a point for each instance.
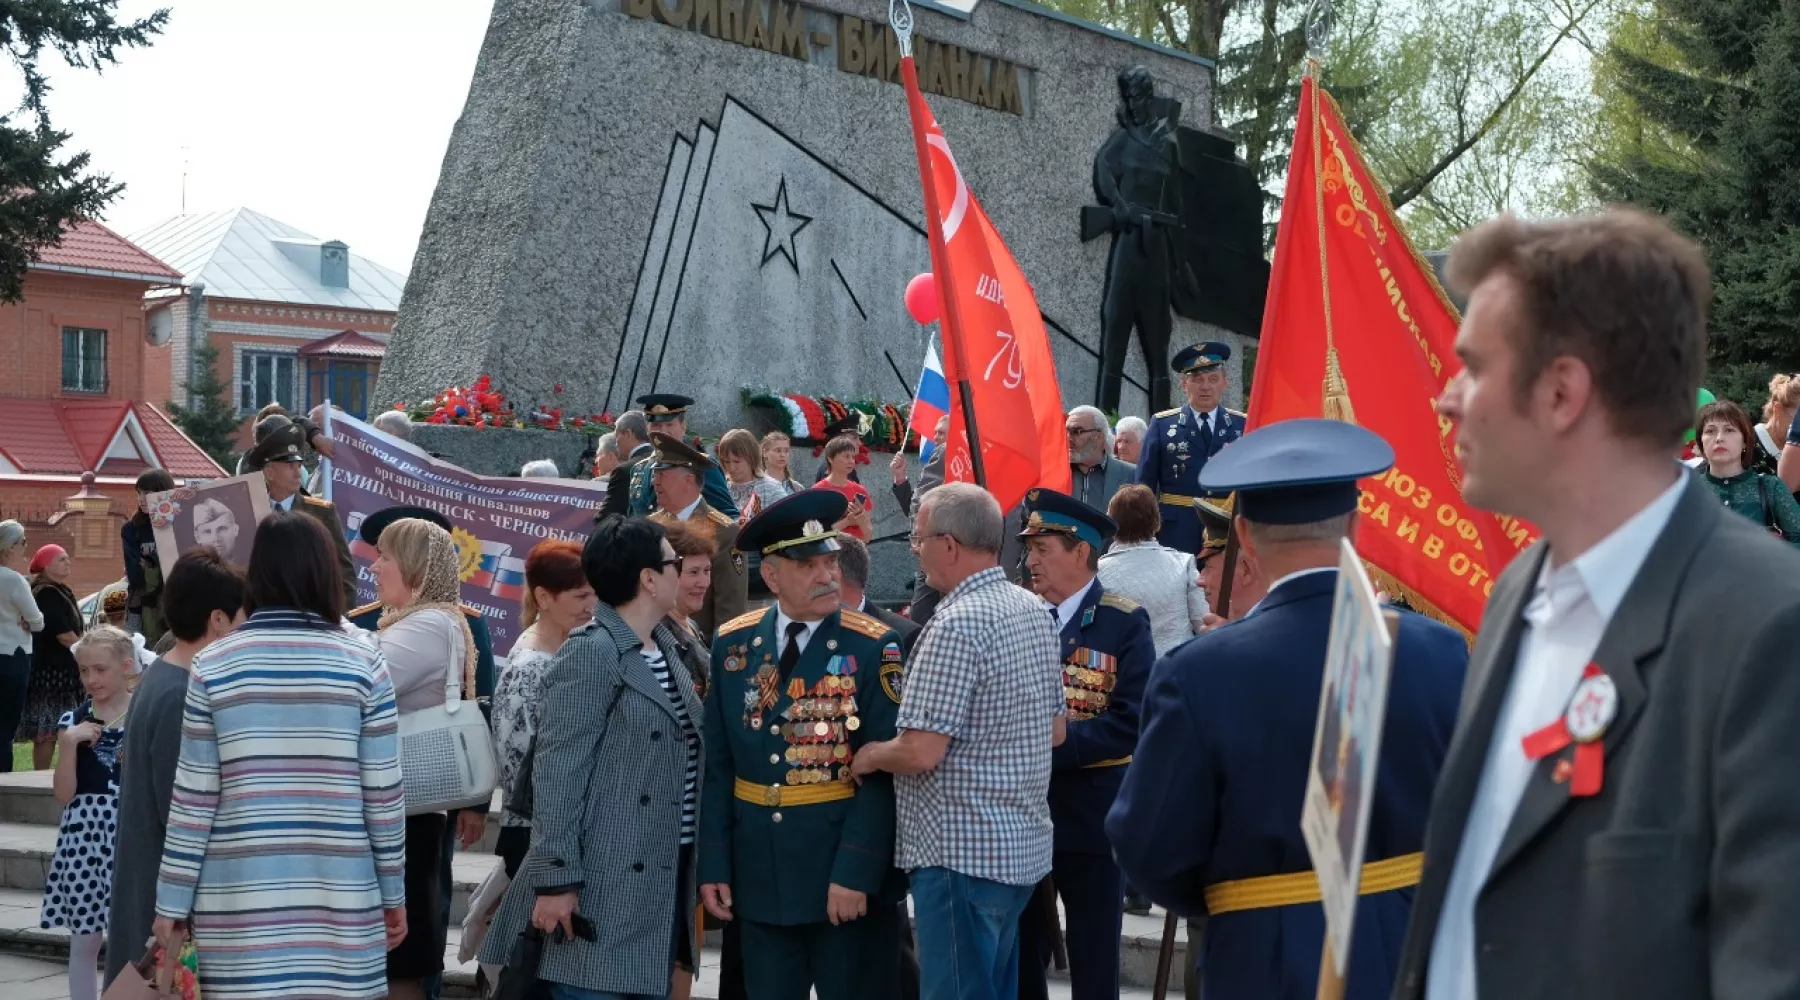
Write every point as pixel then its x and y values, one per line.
pixel 615 787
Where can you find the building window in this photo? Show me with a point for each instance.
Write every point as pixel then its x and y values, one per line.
pixel 346 384
pixel 265 378
pixel 84 359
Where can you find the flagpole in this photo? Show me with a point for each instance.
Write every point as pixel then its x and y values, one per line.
pixel 901 19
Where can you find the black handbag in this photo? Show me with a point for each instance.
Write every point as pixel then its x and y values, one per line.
pixel 519 977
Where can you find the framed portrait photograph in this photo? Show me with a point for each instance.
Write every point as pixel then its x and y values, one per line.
pixel 220 514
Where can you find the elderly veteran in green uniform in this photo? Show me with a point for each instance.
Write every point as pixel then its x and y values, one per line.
pixel 277 455
pixel 678 472
pixel 789 844
pixel 667 413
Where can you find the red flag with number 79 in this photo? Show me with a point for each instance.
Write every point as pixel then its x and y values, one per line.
pixel 994 337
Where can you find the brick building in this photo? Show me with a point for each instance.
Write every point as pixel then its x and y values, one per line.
pixel 295 319
pixel 84 376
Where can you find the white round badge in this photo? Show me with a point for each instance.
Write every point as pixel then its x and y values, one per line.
pixel 1592 709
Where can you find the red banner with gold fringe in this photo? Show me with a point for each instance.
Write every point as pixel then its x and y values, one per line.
pixel 1357 329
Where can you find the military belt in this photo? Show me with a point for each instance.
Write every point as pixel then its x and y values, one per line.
pixel 1115 762
pixel 781 796
pixel 1178 499
pixel 1303 887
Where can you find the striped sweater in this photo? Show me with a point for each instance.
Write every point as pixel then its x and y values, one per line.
pixel 287 829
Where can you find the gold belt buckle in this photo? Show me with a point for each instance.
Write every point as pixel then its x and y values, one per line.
pixel 772 796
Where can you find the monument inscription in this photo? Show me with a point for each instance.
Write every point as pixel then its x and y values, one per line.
pixel 862 47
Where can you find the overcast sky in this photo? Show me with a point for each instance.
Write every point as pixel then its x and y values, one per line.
pixel 329 115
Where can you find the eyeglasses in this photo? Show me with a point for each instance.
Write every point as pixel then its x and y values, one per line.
pixel 1076 432
pixel 674 564
pixel 917 540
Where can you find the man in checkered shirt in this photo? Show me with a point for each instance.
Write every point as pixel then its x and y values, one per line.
pixel 981 710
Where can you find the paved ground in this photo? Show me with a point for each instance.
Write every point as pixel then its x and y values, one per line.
pixel 28 978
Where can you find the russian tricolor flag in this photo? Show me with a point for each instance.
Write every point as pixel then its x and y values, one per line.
pixel 930 403
pixel 493 556
pixel 509 579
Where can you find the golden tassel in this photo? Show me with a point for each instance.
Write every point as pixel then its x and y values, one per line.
pixel 1337 392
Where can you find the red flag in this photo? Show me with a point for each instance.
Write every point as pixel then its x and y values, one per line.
pixel 994 338
pixel 1356 328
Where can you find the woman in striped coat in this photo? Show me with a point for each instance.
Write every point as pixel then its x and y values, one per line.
pixel 287 830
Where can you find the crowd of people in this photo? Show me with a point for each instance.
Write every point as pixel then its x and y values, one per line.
pixel 707 722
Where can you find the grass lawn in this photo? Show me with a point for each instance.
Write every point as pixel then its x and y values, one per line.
pixel 22 757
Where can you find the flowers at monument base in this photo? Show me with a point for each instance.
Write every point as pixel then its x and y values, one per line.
pixel 480 405
pixel 803 418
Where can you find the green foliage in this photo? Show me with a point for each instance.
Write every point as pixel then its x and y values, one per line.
pixel 209 419
pixel 45 189
pixel 1702 124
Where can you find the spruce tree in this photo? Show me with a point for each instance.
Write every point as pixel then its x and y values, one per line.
pixel 1718 92
pixel 209 418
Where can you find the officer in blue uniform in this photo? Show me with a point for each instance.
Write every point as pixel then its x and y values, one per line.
pixel 1107 652
pixel 1181 441
pixel 1208 821
pixel 667 412
pixel 791 847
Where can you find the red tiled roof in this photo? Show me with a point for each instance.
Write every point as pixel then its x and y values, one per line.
pixel 348 344
pixel 90 246
pixel 61 437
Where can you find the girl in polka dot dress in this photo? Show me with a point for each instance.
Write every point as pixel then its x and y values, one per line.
pixel 78 889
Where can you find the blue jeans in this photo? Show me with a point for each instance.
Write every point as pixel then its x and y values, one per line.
pixel 563 991
pixel 968 931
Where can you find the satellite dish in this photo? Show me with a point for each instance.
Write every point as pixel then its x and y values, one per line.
pixel 159 327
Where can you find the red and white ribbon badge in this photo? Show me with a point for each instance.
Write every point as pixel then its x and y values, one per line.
pixel 1590 711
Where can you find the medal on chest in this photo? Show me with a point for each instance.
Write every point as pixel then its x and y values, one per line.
pixel 1584 724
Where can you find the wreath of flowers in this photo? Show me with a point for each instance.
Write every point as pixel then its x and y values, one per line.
pixel 881 426
pixel 480 405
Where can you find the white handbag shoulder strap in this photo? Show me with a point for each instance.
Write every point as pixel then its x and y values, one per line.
pixel 453 674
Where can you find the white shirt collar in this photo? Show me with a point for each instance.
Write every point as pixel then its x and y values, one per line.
pixel 1066 610
pixel 287 504
pixel 1608 568
pixel 1216 412
pixel 781 627
pixel 688 511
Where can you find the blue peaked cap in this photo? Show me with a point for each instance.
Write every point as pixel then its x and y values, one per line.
pixel 1297 471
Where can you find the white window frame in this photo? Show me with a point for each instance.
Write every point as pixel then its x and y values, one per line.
pixel 242 354
pixel 81 385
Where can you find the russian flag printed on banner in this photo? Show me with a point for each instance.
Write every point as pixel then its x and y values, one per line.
pixel 930 403
pixel 509 579
pixel 493 556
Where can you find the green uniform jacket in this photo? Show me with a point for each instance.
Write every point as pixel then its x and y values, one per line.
pixel 712 487
pixel 780 861
pixel 323 512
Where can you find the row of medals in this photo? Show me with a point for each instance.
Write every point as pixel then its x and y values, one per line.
pixel 1178 450
pixel 1086 690
pixel 819 724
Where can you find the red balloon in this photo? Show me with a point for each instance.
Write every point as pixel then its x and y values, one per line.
pixel 922 297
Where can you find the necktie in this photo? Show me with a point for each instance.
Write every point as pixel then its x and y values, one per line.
pixel 790 654
pixel 1206 434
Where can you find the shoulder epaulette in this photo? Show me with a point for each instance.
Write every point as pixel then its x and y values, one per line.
pixel 743 621
pixel 1170 413
pixel 365 609
pixel 867 625
pixel 1119 601
pixel 720 518
pixel 316 501
pixel 1235 413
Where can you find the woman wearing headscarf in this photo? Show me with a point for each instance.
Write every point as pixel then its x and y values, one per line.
pixel 143 573
pixel 19 619
pixel 55 680
pixel 425 640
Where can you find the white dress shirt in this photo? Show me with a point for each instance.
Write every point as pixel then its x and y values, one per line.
pixel 284 505
pixel 1567 614
pixel 1066 610
pixel 1287 579
pixel 781 636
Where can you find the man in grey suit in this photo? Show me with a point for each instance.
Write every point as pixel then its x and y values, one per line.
pixel 1094 474
pixel 1617 814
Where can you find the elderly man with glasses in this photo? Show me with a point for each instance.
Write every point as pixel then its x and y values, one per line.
pixel 1095 474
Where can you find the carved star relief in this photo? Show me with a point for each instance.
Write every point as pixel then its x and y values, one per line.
pixel 780 224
